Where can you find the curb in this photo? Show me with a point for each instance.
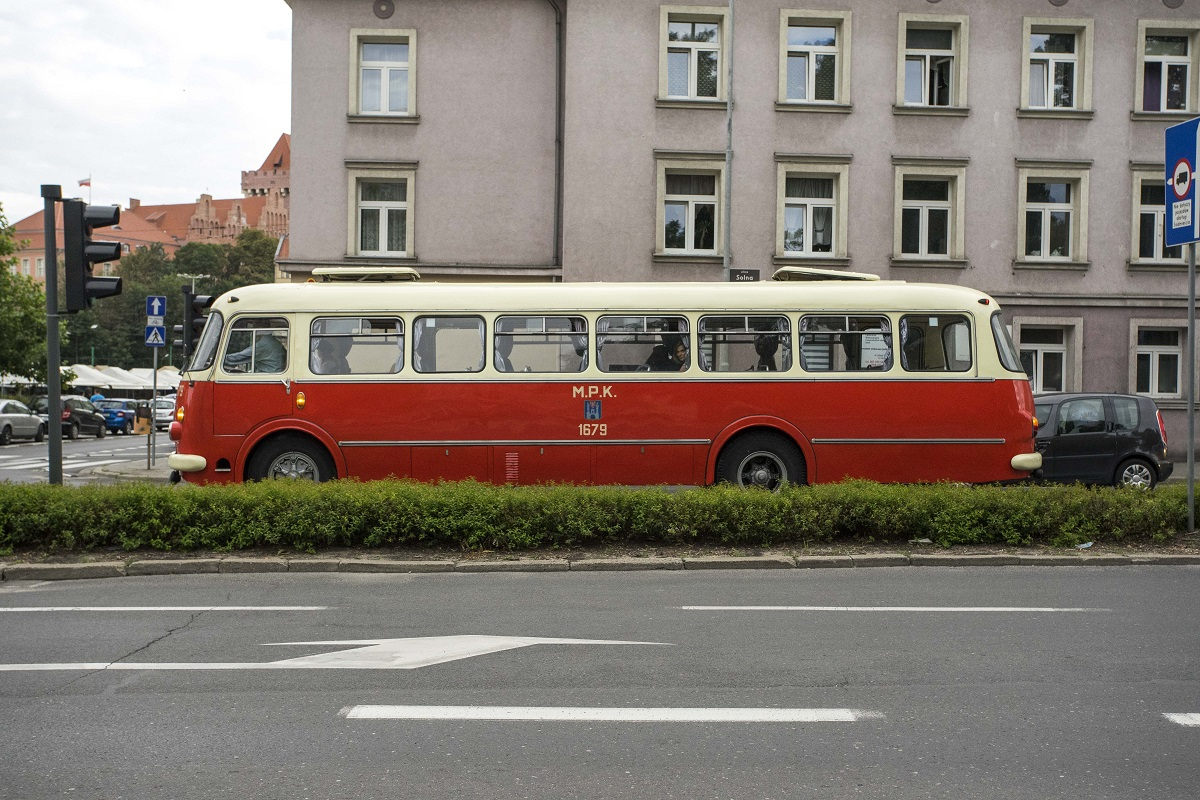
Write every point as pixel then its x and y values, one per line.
pixel 248 565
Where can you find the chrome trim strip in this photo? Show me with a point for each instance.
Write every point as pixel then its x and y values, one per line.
pixel 908 441
pixel 519 443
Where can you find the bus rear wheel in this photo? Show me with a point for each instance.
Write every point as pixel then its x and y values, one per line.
pixel 290 458
pixel 762 459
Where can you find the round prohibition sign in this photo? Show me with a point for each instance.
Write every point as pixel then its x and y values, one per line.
pixel 1181 182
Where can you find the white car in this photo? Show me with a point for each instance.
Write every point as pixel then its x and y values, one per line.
pixel 17 421
pixel 164 412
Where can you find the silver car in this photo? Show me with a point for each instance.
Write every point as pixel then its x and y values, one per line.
pixel 17 421
pixel 164 412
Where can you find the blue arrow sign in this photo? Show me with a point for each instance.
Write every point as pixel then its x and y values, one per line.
pixel 156 306
pixel 156 335
pixel 1180 197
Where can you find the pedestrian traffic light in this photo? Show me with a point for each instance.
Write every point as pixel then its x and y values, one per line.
pixel 80 253
pixel 194 306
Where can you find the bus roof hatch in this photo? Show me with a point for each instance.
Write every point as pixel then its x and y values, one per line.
pixel 366 274
pixel 814 274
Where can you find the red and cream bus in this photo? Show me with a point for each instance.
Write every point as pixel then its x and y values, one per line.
pixel 813 377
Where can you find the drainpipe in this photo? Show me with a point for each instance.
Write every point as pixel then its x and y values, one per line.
pixel 560 114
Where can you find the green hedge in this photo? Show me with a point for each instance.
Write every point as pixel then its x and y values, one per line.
pixel 471 516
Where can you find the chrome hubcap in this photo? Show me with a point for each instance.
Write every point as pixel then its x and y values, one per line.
pixel 294 466
pixel 762 469
pixel 1137 476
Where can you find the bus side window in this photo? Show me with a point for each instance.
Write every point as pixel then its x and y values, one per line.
pixel 845 343
pixel 635 343
pixel 935 343
pixel 540 344
pixel 356 345
pixel 448 344
pixel 257 344
pixel 745 344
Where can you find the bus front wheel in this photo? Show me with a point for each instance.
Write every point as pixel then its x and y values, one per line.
pixel 762 459
pixel 290 457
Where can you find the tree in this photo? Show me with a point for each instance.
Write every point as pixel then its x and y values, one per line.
pixel 22 314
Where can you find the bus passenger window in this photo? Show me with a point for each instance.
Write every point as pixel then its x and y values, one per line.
pixel 745 344
pixel 540 344
pixel 642 344
pixel 448 344
pixel 845 343
pixel 257 344
pixel 356 345
pixel 935 343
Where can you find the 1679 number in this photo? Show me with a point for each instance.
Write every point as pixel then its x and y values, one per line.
pixel 593 429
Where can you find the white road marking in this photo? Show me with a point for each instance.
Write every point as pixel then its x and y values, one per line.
pixel 1003 609
pixel 25 465
pixel 556 713
pixel 168 608
pixel 1189 720
pixel 411 653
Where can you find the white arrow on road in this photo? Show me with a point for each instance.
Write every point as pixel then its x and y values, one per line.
pixel 411 653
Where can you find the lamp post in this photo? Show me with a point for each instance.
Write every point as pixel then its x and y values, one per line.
pixel 93 339
pixel 193 279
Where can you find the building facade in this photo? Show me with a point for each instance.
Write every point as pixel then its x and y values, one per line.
pixel 1015 146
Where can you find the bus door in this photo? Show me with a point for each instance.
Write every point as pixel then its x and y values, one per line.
pixel 253 380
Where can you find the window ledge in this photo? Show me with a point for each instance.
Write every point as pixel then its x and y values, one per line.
pixel 378 261
pixel 935 263
pixel 1056 113
pixel 932 111
pixel 688 258
pixel 822 108
pixel 1156 266
pixel 1161 115
pixel 810 261
pixel 1051 264
pixel 681 102
pixel 384 119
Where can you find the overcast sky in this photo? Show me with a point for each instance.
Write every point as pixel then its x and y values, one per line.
pixel 162 100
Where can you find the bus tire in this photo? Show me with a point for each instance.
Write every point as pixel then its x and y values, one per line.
pixel 763 459
pixel 290 456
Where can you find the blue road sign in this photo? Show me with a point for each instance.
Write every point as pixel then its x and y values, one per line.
pixel 156 306
pixel 156 335
pixel 1181 221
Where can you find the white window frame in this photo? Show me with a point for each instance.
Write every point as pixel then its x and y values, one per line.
pixel 954 172
pixel 1155 352
pixel 1074 173
pixel 1072 328
pixel 1083 30
pixel 1142 174
pixel 1164 27
pixel 41 268
pixel 707 14
pixel 694 164
pixel 840 22
pixel 959 27
pixel 358 174
pixel 24 266
pixel 361 36
pixel 835 168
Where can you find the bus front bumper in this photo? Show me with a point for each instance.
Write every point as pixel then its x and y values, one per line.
pixel 186 463
pixel 1025 462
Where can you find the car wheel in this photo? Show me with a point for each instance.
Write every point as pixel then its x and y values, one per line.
pixel 290 457
pixel 6 435
pixel 127 428
pixel 1135 473
pixel 103 429
pixel 73 431
pixel 41 434
pixel 766 460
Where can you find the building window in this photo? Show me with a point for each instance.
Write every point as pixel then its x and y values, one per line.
pixel 1044 357
pixel 24 266
pixel 381 205
pixel 1167 66
pixel 815 58
pixel 812 216
pixel 689 204
pixel 1052 223
pixel 691 58
pixel 41 268
pixel 1159 361
pixel 930 211
pixel 382 80
pixel 932 69
pixel 1149 210
pixel 1058 54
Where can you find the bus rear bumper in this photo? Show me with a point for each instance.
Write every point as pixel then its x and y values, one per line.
pixel 1025 462
pixel 186 463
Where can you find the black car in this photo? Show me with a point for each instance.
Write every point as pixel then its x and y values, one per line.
pixel 1098 438
pixel 79 416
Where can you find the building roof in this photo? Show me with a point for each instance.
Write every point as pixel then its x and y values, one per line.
pixel 280 156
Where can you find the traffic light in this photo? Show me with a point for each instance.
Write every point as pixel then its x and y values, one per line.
pixel 80 253
pixel 194 306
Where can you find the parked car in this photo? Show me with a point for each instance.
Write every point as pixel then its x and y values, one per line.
pixel 18 421
pixel 164 412
pixel 79 416
pixel 1097 438
pixel 119 413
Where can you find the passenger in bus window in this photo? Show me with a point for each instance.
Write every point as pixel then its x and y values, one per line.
pixel 670 356
pixel 766 345
pixel 329 355
pixel 267 354
pixel 504 346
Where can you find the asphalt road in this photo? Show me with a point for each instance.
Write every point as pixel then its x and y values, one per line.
pixel 983 683
pixel 28 462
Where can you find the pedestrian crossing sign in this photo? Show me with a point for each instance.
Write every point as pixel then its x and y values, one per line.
pixel 156 335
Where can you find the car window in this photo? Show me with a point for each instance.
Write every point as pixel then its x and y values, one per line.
pixel 1081 416
pixel 1042 412
pixel 1125 411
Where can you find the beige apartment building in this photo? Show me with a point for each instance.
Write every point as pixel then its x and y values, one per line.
pixel 1015 146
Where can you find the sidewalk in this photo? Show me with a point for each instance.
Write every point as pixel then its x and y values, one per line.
pixel 136 470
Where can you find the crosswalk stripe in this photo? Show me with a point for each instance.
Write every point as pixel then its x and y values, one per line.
pixel 1188 720
pixel 569 713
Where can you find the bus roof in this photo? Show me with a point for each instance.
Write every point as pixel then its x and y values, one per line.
pixel 391 297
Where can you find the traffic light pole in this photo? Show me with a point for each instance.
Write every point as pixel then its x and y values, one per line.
pixel 51 195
